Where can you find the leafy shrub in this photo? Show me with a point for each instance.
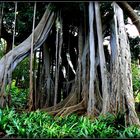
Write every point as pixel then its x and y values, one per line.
pixel 19 96
pixel 39 124
pixel 22 70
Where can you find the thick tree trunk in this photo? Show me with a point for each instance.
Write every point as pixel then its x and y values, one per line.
pixel 23 49
pixel 126 69
pixel 123 99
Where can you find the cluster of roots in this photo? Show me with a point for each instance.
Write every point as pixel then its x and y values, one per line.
pixel 70 104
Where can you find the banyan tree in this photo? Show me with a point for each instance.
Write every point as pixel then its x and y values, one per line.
pixel 76 73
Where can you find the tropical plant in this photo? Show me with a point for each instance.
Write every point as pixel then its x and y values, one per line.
pixel 136 81
pixel 19 96
pixel 40 124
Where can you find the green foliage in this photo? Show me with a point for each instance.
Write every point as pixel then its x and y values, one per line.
pixel 116 121
pixel 22 70
pixel 39 124
pixel 130 132
pixel 136 81
pixel 135 77
pixel 18 96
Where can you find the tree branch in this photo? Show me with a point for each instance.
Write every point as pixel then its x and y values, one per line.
pixel 128 10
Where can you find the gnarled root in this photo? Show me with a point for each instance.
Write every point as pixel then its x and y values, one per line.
pixel 59 105
pixel 72 101
pixel 69 110
pixel 69 105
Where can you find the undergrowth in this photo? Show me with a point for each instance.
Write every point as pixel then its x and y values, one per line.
pixel 39 124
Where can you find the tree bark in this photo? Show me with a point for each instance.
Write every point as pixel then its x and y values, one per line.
pixel 59 57
pixel 91 100
pixel 80 46
pixel 126 70
pixel 56 62
pixel 114 67
pixel 47 76
pixel 104 72
pixel 123 100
